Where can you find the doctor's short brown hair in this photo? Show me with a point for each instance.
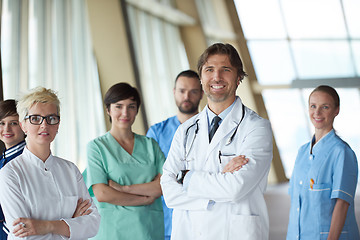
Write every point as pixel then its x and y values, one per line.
pixel 223 49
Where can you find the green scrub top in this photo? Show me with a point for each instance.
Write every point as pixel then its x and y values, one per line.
pixel 108 160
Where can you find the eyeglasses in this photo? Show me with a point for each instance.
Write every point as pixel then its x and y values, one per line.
pixel 37 119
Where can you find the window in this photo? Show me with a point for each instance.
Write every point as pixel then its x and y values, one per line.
pixel 297 41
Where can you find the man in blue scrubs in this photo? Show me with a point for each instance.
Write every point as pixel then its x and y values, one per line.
pixel 187 94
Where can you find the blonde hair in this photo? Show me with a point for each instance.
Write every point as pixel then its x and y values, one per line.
pixel 36 95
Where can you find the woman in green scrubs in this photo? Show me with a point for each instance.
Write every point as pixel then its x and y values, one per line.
pixel 124 171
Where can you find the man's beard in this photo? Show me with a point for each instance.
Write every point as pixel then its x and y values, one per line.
pixel 192 109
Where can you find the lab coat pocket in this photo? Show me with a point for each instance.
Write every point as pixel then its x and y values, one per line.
pixel 246 226
pixel 224 159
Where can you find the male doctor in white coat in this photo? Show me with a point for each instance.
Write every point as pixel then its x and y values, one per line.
pixel 214 195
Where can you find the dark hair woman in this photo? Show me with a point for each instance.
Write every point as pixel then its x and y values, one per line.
pixel 124 171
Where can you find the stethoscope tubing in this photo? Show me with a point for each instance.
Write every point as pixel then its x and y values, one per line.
pixel 229 141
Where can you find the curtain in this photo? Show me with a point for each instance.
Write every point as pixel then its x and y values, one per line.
pixel 47 43
pixel 160 56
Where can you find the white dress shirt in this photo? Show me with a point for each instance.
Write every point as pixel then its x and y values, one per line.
pixel 31 188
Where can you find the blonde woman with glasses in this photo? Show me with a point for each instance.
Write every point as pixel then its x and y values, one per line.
pixel 44 196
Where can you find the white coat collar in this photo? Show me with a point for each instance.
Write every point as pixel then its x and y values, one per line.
pixel 228 125
pixel 28 156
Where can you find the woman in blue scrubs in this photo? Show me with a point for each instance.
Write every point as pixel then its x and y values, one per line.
pixel 14 140
pixel 323 183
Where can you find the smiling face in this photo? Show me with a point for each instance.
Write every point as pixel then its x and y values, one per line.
pixel 10 131
pixel 219 80
pixel 322 111
pixel 43 134
pixel 123 113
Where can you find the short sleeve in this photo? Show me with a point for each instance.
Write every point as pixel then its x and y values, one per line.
pixel 345 174
pixel 95 172
pixel 152 133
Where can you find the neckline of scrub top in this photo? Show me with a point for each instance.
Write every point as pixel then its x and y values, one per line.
pixel 33 159
pixel 176 119
pixel 321 142
pixel 111 138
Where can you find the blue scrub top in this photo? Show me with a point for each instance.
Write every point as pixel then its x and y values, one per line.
pixel 321 175
pixel 7 156
pixel 163 134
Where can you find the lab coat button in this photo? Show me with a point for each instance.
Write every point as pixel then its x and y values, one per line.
pixel 297 209
pixel 310 157
pixel 300 182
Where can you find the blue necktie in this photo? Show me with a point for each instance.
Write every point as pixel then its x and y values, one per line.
pixel 215 126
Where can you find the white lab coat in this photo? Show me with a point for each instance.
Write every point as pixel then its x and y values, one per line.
pixel 215 205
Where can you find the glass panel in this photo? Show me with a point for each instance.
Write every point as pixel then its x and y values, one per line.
pixel 314 19
pixel 355 45
pixel 352 10
pixel 288 120
pixel 323 59
pixel 319 48
pixel 272 61
pixel 288 113
pixel 347 122
pixel 261 19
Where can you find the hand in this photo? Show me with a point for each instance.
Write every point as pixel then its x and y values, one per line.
pixel 28 227
pixel 157 177
pixel 235 164
pixel 82 208
pixel 150 200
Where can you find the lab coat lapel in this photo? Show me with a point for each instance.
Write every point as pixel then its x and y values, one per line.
pixel 204 132
pixel 227 126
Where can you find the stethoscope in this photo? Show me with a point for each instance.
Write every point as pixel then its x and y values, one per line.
pixel 196 124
